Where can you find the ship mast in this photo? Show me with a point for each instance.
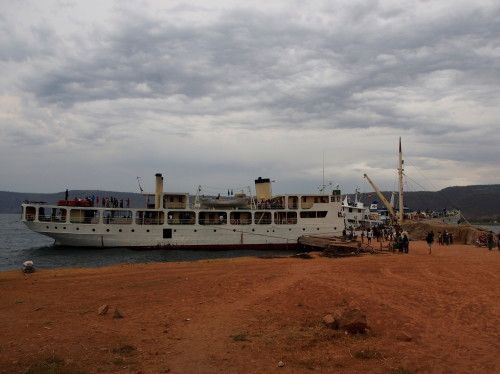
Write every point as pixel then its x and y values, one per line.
pixel 400 175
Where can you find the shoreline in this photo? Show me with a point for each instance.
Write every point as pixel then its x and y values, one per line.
pixel 426 314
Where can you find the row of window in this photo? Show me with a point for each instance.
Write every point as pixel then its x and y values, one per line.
pixel 125 217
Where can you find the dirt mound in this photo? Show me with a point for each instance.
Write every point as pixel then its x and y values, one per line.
pixel 462 234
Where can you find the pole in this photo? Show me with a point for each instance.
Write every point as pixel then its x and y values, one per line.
pixel 400 174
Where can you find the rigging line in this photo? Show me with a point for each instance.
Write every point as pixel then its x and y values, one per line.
pixel 438 195
pixel 422 174
pixel 411 189
pixel 414 181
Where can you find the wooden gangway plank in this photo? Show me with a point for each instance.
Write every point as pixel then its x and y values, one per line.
pixel 321 242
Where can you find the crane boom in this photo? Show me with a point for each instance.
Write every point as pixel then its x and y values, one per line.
pixel 384 200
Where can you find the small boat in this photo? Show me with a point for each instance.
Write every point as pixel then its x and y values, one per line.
pixel 357 214
pixel 219 202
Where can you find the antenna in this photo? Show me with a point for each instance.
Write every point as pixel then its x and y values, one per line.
pixel 323 166
pixel 139 182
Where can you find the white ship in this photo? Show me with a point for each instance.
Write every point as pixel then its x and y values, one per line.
pixel 357 214
pixel 172 221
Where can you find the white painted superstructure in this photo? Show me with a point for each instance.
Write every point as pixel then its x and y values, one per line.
pixel 172 221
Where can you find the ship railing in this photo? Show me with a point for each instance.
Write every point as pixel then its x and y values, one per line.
pixel 287 221
pixel 243 221
pixel 118 220
pixel 51 218
pixel 265 221
pixel 269 206
pixel 84 220
pixel 175 205
pixel 189 221
pixel 149 221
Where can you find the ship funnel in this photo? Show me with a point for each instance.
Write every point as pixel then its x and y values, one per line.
pixel 263 189
pixel 159 190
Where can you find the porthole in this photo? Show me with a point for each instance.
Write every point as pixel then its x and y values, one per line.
pixel 195 230
pixel 55 227
pixel 46 227
pixel 107 230
pixel 234 230
pixel 253 230
pixel 215 230
pixel 93 230
pixel 77 228
pixel 303 229
pixel 64 228
pixel 147 230
pixel 317 228
pixel 132 230
pixel 120 230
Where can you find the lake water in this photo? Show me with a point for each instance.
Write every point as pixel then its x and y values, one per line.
pixel 19 244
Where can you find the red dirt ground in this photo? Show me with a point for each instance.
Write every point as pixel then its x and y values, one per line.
pixel 246 315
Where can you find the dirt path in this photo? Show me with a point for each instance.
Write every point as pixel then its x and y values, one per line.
pixel 246 315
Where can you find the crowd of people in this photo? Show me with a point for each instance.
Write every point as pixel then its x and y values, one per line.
pixel 96 201
pixel 397 238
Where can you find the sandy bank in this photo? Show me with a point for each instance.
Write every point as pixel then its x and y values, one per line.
pixel 245 315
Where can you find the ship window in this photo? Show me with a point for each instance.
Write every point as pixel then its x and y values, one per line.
pixel 240 218
pixel 41 214
pixel 285 218
pixel 212 218
pixel 30 213
pixel 149 218
pixel 313 214
pixel 59 215
pixel 307 214
pixel 181 218
pixel 117 217
pixel 262 218
pixel 80 216
pixel 167 233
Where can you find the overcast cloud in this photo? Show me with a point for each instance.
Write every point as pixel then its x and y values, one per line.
pixel 96 93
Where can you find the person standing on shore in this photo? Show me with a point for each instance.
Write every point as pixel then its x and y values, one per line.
pixel 430 239
pixel 498 240
pixel 490 241
pixel 369 236
pixel 406 243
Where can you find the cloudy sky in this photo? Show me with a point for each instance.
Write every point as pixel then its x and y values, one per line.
pixel 94 94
